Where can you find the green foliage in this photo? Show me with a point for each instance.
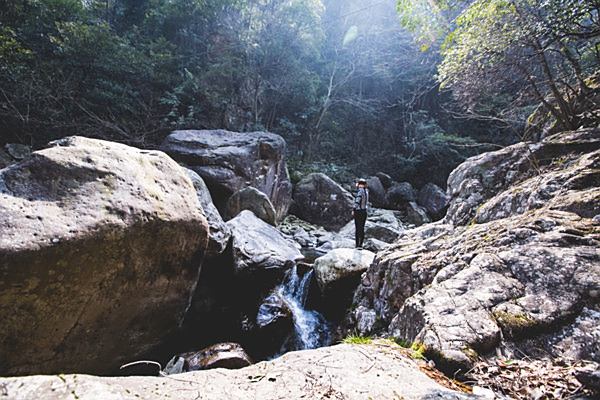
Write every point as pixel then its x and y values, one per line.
pixel 346 87
pixel 502 57
pixel 357 339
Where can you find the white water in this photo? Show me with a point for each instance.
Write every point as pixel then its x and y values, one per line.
pixel 311 328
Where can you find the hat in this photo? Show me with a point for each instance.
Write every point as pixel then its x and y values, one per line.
pixel 362 180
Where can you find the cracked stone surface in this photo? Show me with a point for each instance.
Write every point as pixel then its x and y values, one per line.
pixel 342 371
pixel 100 250
pixel 517 256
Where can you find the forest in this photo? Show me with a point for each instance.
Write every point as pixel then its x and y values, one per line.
pixel 409 88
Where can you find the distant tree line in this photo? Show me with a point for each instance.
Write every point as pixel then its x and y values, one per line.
pixel 342 80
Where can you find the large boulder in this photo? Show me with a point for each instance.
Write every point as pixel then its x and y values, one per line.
pixel 100 250
pixel 319 200
pixel 520 268
pixel 259 246
pixel 376 192
pixel 341 264
pixel 399 195
pixel 433 199
pixel 254 200
pixel 353 372
pixel 219 232
pixel 385 180
pixel 381 224
pixel 229 161
pixel 221 355
pixel 416 215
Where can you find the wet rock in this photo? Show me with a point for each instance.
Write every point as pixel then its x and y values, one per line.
pixel 229 161
pixel 221 355
pixel 273 311
pixel 434 200
pixel 376 192
pixel 399 195
pixel 416 215
pixel 96 239
pixel 319 200
pixel 259 246
pixel 219 232
pixel 341 264
pixel 254 200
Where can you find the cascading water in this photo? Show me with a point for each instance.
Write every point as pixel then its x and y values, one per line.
pixel 311 330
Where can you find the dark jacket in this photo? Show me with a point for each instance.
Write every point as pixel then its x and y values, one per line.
pixel 361 199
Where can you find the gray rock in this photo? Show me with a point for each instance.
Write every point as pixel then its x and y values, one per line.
pixel 392 375
pixel 259 246
pixel 5 159
pixel 376 192
pixel 433 199
pixel 416 215
pixel 319 200
pixel 96 239
pixel 518 269
pixel 336 243
pixel 341 264
pixel 381 225
pixel 399 195
pixel 374 245
pixel 17 151
pixel 589 379
pixel 221 355
pixel 502 174
pixel 219 232
pixel 385 180
pixel 254 200
pixel 230 161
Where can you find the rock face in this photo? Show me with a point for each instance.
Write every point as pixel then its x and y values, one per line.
pixel 319 200
pixel 433 199
pixel 510 177
pixel 527 263
pixel 100 251
pixel 254 200
pixel 360 372
pixel 229 161
pixel 219 232
pixel 341 264
pixel 259 246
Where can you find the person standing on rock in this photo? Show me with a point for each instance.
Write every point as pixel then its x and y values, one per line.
pixel 360 211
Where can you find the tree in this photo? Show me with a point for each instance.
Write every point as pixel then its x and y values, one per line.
pixel 501 57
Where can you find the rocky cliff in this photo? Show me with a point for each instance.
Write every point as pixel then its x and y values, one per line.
pixel 515 262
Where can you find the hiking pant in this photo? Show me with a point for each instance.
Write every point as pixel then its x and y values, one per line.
pixel 360 217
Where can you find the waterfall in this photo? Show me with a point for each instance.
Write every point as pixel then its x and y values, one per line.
pixel 311 329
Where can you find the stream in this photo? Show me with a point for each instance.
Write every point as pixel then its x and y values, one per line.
pixel 311 329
